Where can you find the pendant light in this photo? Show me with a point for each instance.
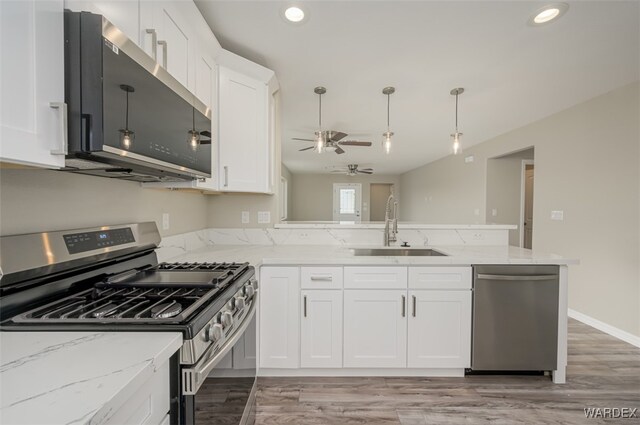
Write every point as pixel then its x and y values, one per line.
pixel 126 136
pixel 456 136
pixel 193 135
pixel 386 142
pixel 319 139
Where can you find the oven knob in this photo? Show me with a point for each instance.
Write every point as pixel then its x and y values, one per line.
pixel 231 304
pixel 249 291
pixel 215 333
pixel 226 319
pixel 240 302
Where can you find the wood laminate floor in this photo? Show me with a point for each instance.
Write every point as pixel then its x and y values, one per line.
pixel 602 372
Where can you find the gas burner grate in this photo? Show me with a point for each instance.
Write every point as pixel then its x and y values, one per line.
pixel 234 268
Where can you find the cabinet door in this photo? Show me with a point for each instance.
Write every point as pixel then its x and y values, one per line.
pixel 279 317
pixel 175 42
pixel 375 328
pixel 321 328
pixel 243 133
pixel 439 329
pixel 33 118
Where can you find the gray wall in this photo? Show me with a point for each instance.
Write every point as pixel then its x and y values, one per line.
pixel 287 175
pixel 312 195
pixel 33 200
pixel 587 163
pixel 504 184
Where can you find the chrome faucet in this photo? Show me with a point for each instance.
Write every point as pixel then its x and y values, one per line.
pixel 390 224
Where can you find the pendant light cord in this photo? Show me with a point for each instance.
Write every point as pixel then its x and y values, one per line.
pixel 456 112
pixel 126 117
pixel 320 112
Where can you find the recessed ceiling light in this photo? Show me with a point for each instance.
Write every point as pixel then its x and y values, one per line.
pixel 548 14
pixel 294 14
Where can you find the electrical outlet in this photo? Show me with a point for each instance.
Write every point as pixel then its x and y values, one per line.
pixel 494 212
pixel 264 217
pixel 557 215
pixel 246 217
pixel 478 236
pixel 165 221
pixel 468 159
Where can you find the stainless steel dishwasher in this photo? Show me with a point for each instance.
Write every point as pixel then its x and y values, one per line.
pixel 515 318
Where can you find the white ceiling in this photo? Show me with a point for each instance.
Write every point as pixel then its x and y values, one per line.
pixel 513 73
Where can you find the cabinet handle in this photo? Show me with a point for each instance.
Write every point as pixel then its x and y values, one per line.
pixel 518 277
pixel 404 306
pixel 226 176
pixel 154 43
pixel 305 306
pixel 413 300
pixel 62 147
pixel 322 278
pixel 163 43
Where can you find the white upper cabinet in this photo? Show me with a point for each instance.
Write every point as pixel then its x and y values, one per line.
pixel 33 114
pixel 176 40
pixel 243 132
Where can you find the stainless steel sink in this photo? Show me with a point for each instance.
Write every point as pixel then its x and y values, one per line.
pixel 397 252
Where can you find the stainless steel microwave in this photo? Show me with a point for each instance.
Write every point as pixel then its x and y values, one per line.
pixel 128 118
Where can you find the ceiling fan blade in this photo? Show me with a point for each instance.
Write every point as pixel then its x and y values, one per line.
pixel 365 169
pixel 304 140
pixel 339 150
pixel 306 149
pixel 337 135
pixel 364 172
pixel 338 171
pixel 354 143
pixel 205 133
pixel 205 141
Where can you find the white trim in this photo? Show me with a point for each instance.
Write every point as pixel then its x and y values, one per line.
pixel 606 328
pixel 523 177
pixel 458 373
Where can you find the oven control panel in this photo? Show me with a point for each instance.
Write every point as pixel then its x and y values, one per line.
pixel 89 241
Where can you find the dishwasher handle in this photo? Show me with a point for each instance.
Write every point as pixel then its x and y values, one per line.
pixel 516 277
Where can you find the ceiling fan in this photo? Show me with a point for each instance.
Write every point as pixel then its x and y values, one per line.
pixel 328 140
pixel 352 170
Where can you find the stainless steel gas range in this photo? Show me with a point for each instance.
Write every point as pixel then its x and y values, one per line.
pixel 108 278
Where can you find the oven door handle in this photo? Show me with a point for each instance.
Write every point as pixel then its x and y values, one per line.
pixel 193 377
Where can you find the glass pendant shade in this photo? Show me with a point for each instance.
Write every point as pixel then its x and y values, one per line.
pixel 127 137
pixel 193 139
pixel 386 143
pixel 457 148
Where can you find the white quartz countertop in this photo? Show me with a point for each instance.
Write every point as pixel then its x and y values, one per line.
pixel 380 225
pixel 75 377
pixel 259 255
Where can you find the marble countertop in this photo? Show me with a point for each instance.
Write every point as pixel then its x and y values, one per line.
pixel 259 255
pixel 380 225
pixel 75 377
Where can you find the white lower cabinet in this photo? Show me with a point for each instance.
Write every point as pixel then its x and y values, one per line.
pixel 375 328
pixel 279 317
pixel 439 329
pixel 321 329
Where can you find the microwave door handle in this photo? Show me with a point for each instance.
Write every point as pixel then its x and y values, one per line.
pixel 154 43
pixel 163 43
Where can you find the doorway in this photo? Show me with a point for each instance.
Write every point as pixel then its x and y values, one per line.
pixel 378 195
pixel 347 202
pixel 526 219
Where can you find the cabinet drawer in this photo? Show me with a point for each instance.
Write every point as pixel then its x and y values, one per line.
pixel 321 277
pixel 375 277
pixel 440 277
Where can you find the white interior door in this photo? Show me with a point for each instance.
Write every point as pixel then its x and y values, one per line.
pixel 528 206
pixel 347 202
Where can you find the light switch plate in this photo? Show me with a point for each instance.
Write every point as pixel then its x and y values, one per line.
pixel 494 212
pixel 246 217
pixel 468 159
pixel 264 217
pixel 557 215
pixel 165 221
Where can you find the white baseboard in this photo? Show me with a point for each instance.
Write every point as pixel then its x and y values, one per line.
pixel 606 328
